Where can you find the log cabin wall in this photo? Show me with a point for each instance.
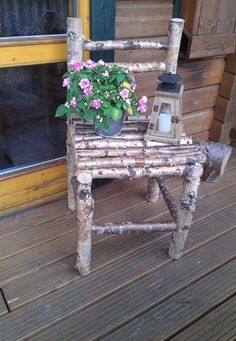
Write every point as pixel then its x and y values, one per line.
pixel 201 76
pixel 224 120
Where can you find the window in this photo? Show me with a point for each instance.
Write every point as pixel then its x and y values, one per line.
pixel 30 87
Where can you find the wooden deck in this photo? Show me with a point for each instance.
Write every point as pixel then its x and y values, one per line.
pixel 134 292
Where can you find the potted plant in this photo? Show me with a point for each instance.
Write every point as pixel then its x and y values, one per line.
pixel 101 93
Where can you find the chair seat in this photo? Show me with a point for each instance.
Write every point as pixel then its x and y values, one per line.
pixel 128 155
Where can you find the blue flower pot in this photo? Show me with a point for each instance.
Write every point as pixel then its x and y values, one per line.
pixel 114 128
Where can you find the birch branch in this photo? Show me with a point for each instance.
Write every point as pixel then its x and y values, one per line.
pixel 143 67
pixel 123 45
pixel 117 162
pixel 168 198
pixel 130 173
pixel 100 153
pixel 132 227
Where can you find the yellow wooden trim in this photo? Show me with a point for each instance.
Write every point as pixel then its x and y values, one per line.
pixel 39 199
pixel 32 179
pixel 32 188
pixel 32 54
pixel 28 195
pixel 84 13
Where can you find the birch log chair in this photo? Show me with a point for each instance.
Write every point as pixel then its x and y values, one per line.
pixel 128 156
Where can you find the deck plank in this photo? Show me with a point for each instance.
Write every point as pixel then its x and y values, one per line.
pixel 45 213
pixel 150 211
pixel 57 274
pixel 3 307
pixel 42 254
pixel 219 324
pixel 143 294
pixel 86 291
pixel 180 309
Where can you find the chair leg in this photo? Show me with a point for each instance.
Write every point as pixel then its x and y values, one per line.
pixel 70 179
pixel 152 190
pixel 187 208
pixel 85 206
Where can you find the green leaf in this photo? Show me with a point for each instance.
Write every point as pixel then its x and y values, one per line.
pixel 90 114
pixel 120 77
pixel 105 126
pixel 119 103
pixel 106 104
pixel 125 105
pixel 97 124
pixel 81 105
pixel 108 112
pixel 69 112
pixel 61 110
pixel 116 114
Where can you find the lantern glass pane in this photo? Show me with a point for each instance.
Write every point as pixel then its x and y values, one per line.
pixel 164 119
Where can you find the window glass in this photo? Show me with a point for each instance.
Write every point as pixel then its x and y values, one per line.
pixel 29 132
pixel 32 17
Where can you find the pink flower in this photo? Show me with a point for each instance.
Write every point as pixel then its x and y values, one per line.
pixel 124 93
pixel 84 83
pixel 90 64
pixel 66 82
pixel 96 104
pixel 76 65
pixel 142 108
pixel 133 85
pixel 88 90
pixel 73 102
pixel 142 101
pixel 101 62
pixel 142 104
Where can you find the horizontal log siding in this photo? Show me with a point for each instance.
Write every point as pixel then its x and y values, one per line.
pixel 201 78
pixel 225 110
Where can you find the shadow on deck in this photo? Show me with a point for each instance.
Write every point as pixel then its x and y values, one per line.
pixel 134 292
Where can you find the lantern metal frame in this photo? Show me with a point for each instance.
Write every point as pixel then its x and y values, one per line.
pixel 172 97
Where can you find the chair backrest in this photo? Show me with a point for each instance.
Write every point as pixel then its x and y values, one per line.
pixel 76 45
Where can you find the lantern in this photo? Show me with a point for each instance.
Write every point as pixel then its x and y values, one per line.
pixel 166 118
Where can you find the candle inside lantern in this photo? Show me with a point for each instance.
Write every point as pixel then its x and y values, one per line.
pixel 164 122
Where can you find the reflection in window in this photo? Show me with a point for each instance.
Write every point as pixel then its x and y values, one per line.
pixel 29 132
pixel 31 17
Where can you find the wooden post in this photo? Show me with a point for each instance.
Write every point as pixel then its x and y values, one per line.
pixel 70 177
pixel 174 38
pixel 152 190
pixel 74 40
pixel 74 52
pixel 85 205
pixel 187 208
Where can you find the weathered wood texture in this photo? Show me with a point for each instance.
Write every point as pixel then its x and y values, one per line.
pixel 128 227
pixel 212 324
pixel 196 74
pixel 209 28
pixel 128 156
pixel 201 81
pixel 40 274
pixel 209 45
pixel 137 19
pixel 3 307
pixel 225 110
pixel 204 17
